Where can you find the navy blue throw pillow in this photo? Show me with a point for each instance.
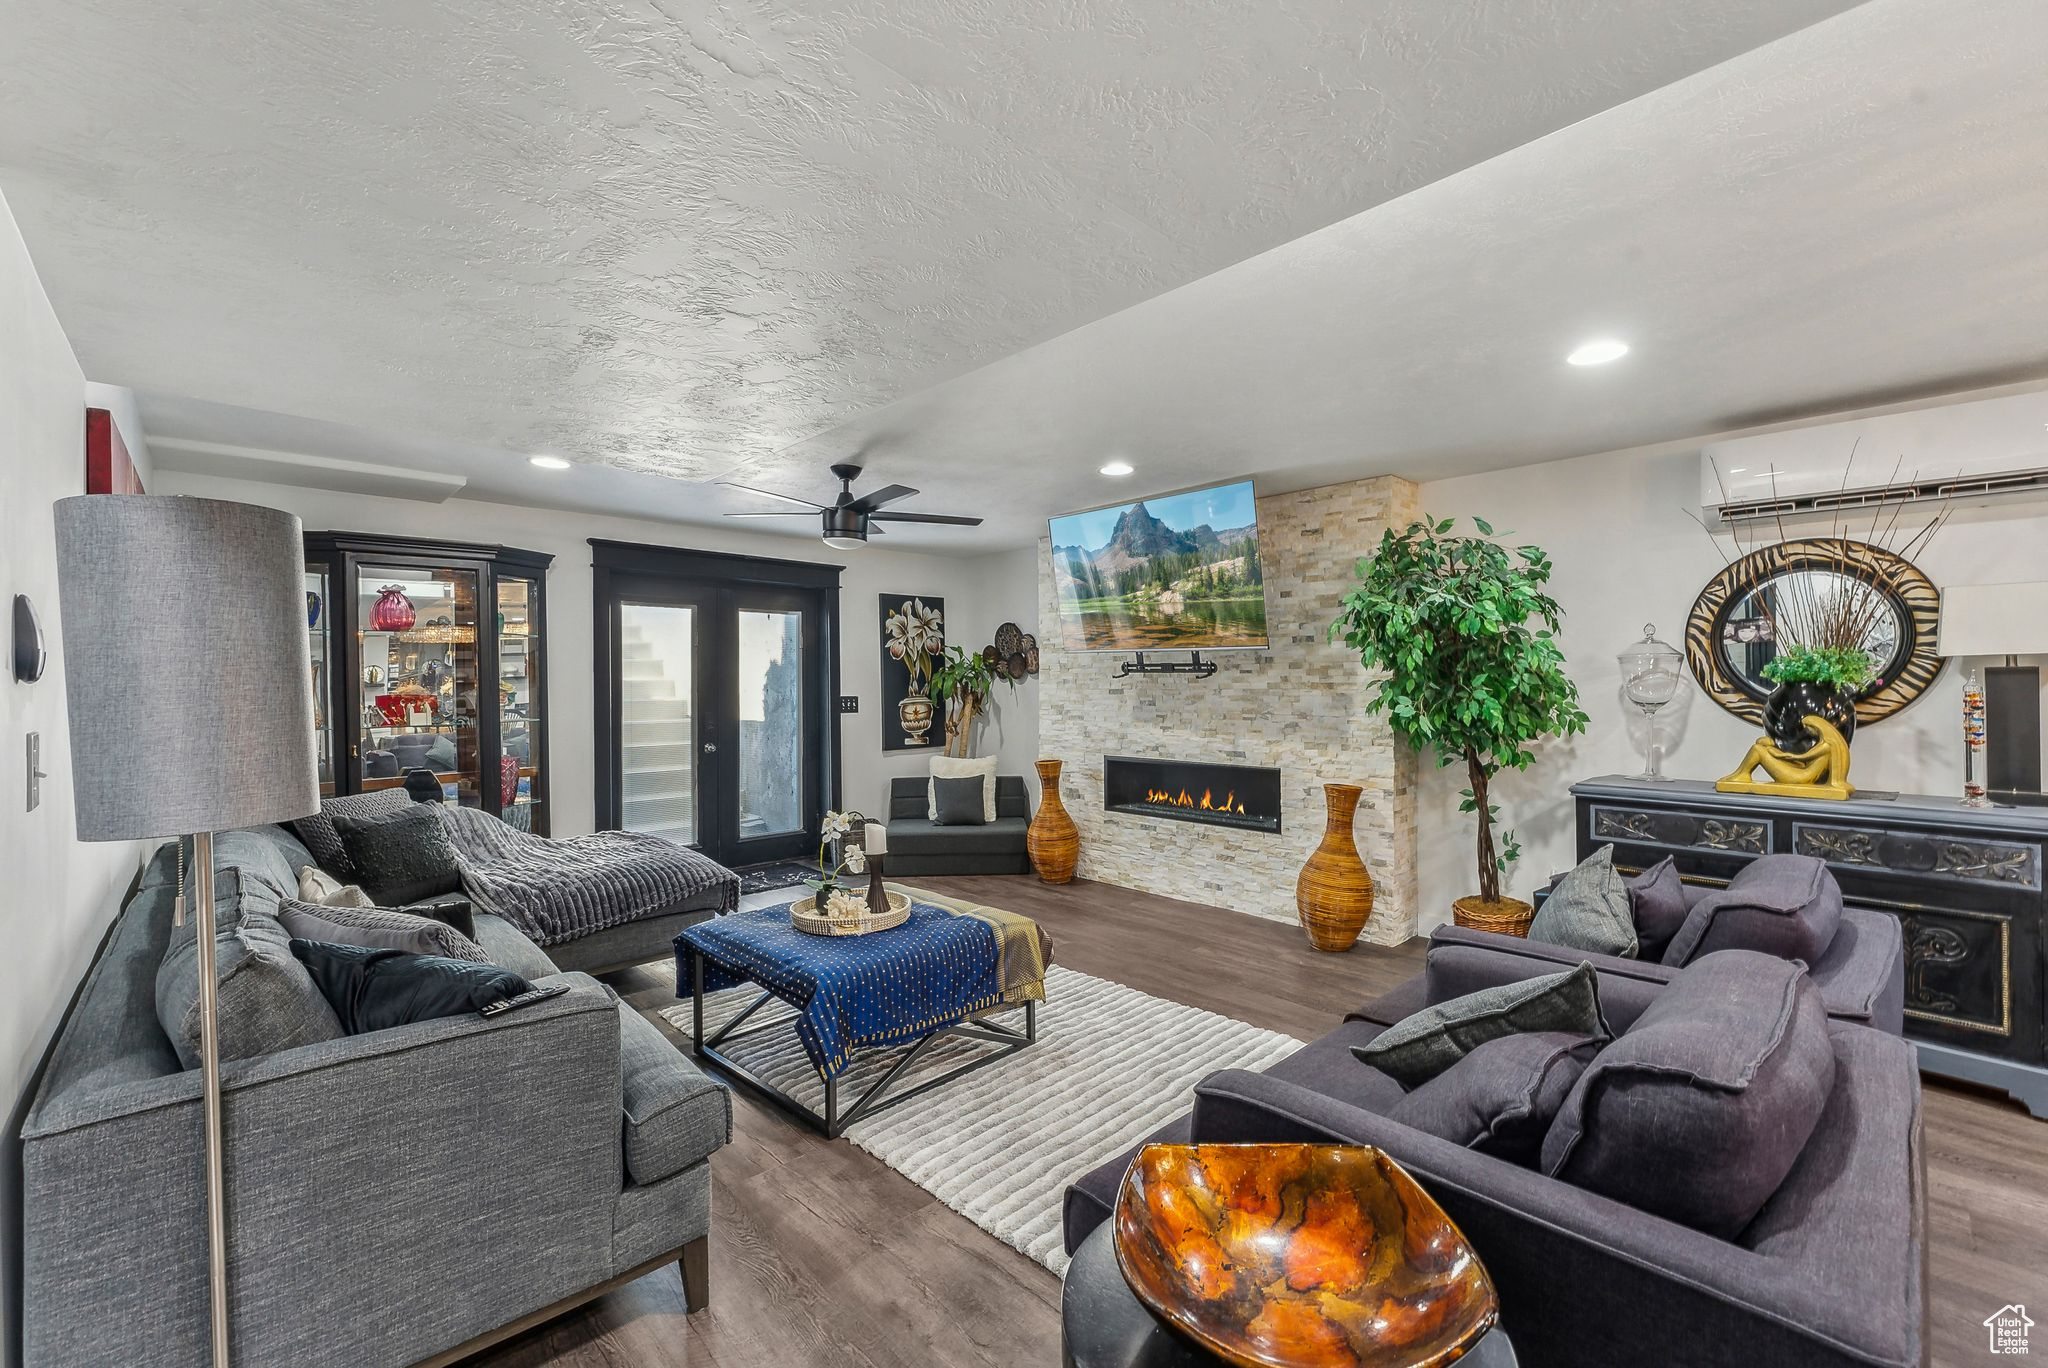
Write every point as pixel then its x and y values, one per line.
pixel 371 989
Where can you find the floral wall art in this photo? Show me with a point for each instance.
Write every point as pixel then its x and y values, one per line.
pixel 913 638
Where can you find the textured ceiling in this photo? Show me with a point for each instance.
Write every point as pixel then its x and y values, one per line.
pixel 675 235
pixel 1851 216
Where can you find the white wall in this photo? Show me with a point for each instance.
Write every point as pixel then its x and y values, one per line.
pixel 1626 554
pixel 869 574
pixel 60 894
pixel 1005 590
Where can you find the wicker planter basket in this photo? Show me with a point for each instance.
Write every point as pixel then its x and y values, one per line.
pixel 804 916
pixel 1508 916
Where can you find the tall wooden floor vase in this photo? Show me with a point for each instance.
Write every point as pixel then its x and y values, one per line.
pixel 1053 841
pixel 1333 895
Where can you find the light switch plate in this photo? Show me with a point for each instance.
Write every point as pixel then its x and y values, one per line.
pixel 849 703
pixel 35 770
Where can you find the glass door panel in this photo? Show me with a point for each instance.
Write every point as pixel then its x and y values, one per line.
pixel 421 678
pixel 318 647
pixel 771 724
pixel 657 756
pixel 522 787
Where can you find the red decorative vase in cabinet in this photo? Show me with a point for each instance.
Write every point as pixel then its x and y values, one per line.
pixel 393 611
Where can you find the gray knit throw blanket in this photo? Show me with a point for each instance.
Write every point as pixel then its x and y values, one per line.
pixel 558 890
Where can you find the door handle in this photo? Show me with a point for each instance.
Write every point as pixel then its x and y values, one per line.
pixel 710 747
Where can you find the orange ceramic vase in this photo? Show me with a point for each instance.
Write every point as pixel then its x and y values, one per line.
pixel 1053 840
pixel 1333 895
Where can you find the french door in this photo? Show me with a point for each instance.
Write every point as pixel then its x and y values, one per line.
pixel 717 692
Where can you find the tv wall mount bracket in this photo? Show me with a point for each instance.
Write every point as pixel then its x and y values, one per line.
pixel 1193 665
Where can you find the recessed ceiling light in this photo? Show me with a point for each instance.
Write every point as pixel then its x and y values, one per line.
pixel 1598 353
pixel 548 462
pixel 1118 469
pixel 1738 470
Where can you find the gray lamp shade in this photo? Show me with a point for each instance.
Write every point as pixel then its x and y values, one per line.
pixel 186 667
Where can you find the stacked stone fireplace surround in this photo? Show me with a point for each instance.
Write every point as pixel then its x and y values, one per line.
pixel 1299 706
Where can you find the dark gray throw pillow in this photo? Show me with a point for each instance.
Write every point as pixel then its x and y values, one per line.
pixel 1501 1098
pixel 1588 910
pixel 1701 1108
pixel 378 928
pixel 1418 1048
pixel 959 801
pixel 1783 905
pixel 370 990
pixel 401 856
pixel 1656 899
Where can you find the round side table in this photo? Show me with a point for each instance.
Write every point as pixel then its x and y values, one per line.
pixel 1103 1325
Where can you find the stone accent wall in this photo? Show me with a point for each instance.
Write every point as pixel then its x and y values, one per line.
pixel 1299 706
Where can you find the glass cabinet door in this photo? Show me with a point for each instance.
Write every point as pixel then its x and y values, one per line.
pixel 522 788
pixel 318 648
pixel 421 678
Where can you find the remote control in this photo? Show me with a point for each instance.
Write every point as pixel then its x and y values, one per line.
pixel 530 996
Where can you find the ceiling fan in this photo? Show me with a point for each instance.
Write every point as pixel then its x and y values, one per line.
pixel 848 522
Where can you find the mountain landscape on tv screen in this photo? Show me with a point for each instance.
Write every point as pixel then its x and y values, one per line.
pixel 1154 586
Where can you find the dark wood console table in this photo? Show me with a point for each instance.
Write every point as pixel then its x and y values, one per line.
pixel 1965 883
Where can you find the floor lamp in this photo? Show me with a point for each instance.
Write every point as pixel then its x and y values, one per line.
pixel 187 681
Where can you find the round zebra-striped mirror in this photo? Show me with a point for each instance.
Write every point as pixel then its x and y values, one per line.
pixel 1737 620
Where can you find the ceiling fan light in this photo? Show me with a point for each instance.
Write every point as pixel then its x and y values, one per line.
pixel 842 543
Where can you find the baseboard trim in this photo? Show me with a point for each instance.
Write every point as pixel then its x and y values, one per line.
pixel 555 1309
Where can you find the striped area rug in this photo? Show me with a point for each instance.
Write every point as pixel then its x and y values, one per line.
pixel 1000 1145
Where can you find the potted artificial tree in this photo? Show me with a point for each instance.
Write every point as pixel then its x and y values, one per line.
pixel 961 681
pixel 1467 637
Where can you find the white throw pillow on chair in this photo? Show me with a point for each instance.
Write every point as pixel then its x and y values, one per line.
pixel 945 767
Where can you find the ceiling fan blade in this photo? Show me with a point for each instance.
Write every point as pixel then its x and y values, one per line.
pixel 778 513
pixel 868 503
pixel 925 518
pixel 771 494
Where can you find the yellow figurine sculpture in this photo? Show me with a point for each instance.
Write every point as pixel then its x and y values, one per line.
pixel 1820 772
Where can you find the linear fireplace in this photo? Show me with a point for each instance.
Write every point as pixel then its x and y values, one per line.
pixel 1244 796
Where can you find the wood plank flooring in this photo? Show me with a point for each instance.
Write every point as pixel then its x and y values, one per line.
pixel 821 1255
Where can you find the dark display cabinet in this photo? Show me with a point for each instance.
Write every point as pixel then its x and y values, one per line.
pixel 431 655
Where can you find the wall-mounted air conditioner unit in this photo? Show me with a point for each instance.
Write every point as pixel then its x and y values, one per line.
pixel 1988 449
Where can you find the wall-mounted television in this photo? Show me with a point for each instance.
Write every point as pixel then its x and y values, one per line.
pixel 1179 572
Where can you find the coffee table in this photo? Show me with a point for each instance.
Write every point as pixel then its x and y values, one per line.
pixel 1104 1325
pixel 945 974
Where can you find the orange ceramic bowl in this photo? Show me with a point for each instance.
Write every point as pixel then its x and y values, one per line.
pixel 1300 1256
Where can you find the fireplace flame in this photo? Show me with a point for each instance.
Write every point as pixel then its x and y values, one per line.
pixel 1206 803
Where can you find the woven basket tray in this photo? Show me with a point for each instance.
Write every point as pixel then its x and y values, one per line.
pixel 804 916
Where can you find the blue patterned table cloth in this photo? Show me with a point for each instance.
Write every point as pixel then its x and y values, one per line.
pixel 856 992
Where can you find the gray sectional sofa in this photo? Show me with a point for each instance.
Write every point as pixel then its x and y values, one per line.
pixel 918 845
pixel 398 1197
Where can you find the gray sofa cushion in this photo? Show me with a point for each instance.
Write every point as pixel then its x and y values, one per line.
pixel 916 836
pixel 1783 905
pixel 266 1000
pixel 1328 1065
pixel 1501 1098
pixel 1588 909
pixel 378 928
pixel 508 948
pixel 1702 1106
pixel 674 1114
pixel 1419 1048
pixel 1657 902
